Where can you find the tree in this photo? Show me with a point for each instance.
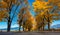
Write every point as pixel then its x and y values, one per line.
pixel 24 16
pixel 20 16
pixel 39 8
pixel 30 21
pixel 28 24
pixel 7 5
pixel 46 10
pixel 23 11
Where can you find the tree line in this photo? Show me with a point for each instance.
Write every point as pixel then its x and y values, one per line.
pixel 46 13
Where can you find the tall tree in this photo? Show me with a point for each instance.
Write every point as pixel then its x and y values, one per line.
pixel 7 5
pixel 22 12
pixel 39 8
pixel 46 9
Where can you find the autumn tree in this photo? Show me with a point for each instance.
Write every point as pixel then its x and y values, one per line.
pixel 39 8
pixel 23 10
pixel 28 21
pixel 6 10
pixel 45 10
pixel 55 9
pixel 20 17
pixel 25 17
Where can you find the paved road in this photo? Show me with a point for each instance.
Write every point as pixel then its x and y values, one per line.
pixel 30 33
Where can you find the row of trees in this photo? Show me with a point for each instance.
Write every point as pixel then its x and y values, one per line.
pixel 25 19
pixel 46 13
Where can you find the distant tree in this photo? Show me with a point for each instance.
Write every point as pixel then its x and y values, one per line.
pixel 29 21
pixel 28 24
pixel 22 14
pixel 20 18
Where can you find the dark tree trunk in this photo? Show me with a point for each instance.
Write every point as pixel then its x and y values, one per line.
pixel 48 20
pixel 24 25
pixel 39 29
pixel 19 28
pixel 48 24
pixel 9 25
pixel 28 29
pixel 9 20
pixel 43 24
pixel 43 28
pixel 23 28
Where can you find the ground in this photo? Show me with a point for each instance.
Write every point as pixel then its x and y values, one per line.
pixel 29 33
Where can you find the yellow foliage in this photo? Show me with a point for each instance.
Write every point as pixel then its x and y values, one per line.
pixel 45 11
pixel 3 4
pixel 40 5
pixel 54 2
pixel 8 1
pixel 3 14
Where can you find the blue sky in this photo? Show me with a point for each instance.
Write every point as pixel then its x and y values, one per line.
pixel 14 23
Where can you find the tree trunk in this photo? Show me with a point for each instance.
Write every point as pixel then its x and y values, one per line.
pixel 38 28
pixel 28 29
pixel 23 26
pixel 48 21
pixel 48 24
pixel 9 25
pixel 43 24
pixel 43 28
pixel 19 28
pixel 8 30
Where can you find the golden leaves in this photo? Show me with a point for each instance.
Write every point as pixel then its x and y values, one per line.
pixel 3 15
pixel 40 5
pixel 43 10
pixel 3 4
pixel 8 1
pixel 54 2
pixel 4 10
pixel 14 1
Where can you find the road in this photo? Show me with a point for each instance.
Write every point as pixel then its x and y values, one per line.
pixel 29 33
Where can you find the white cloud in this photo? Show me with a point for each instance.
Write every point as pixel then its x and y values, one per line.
pixel 15 25
pixel 55 22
